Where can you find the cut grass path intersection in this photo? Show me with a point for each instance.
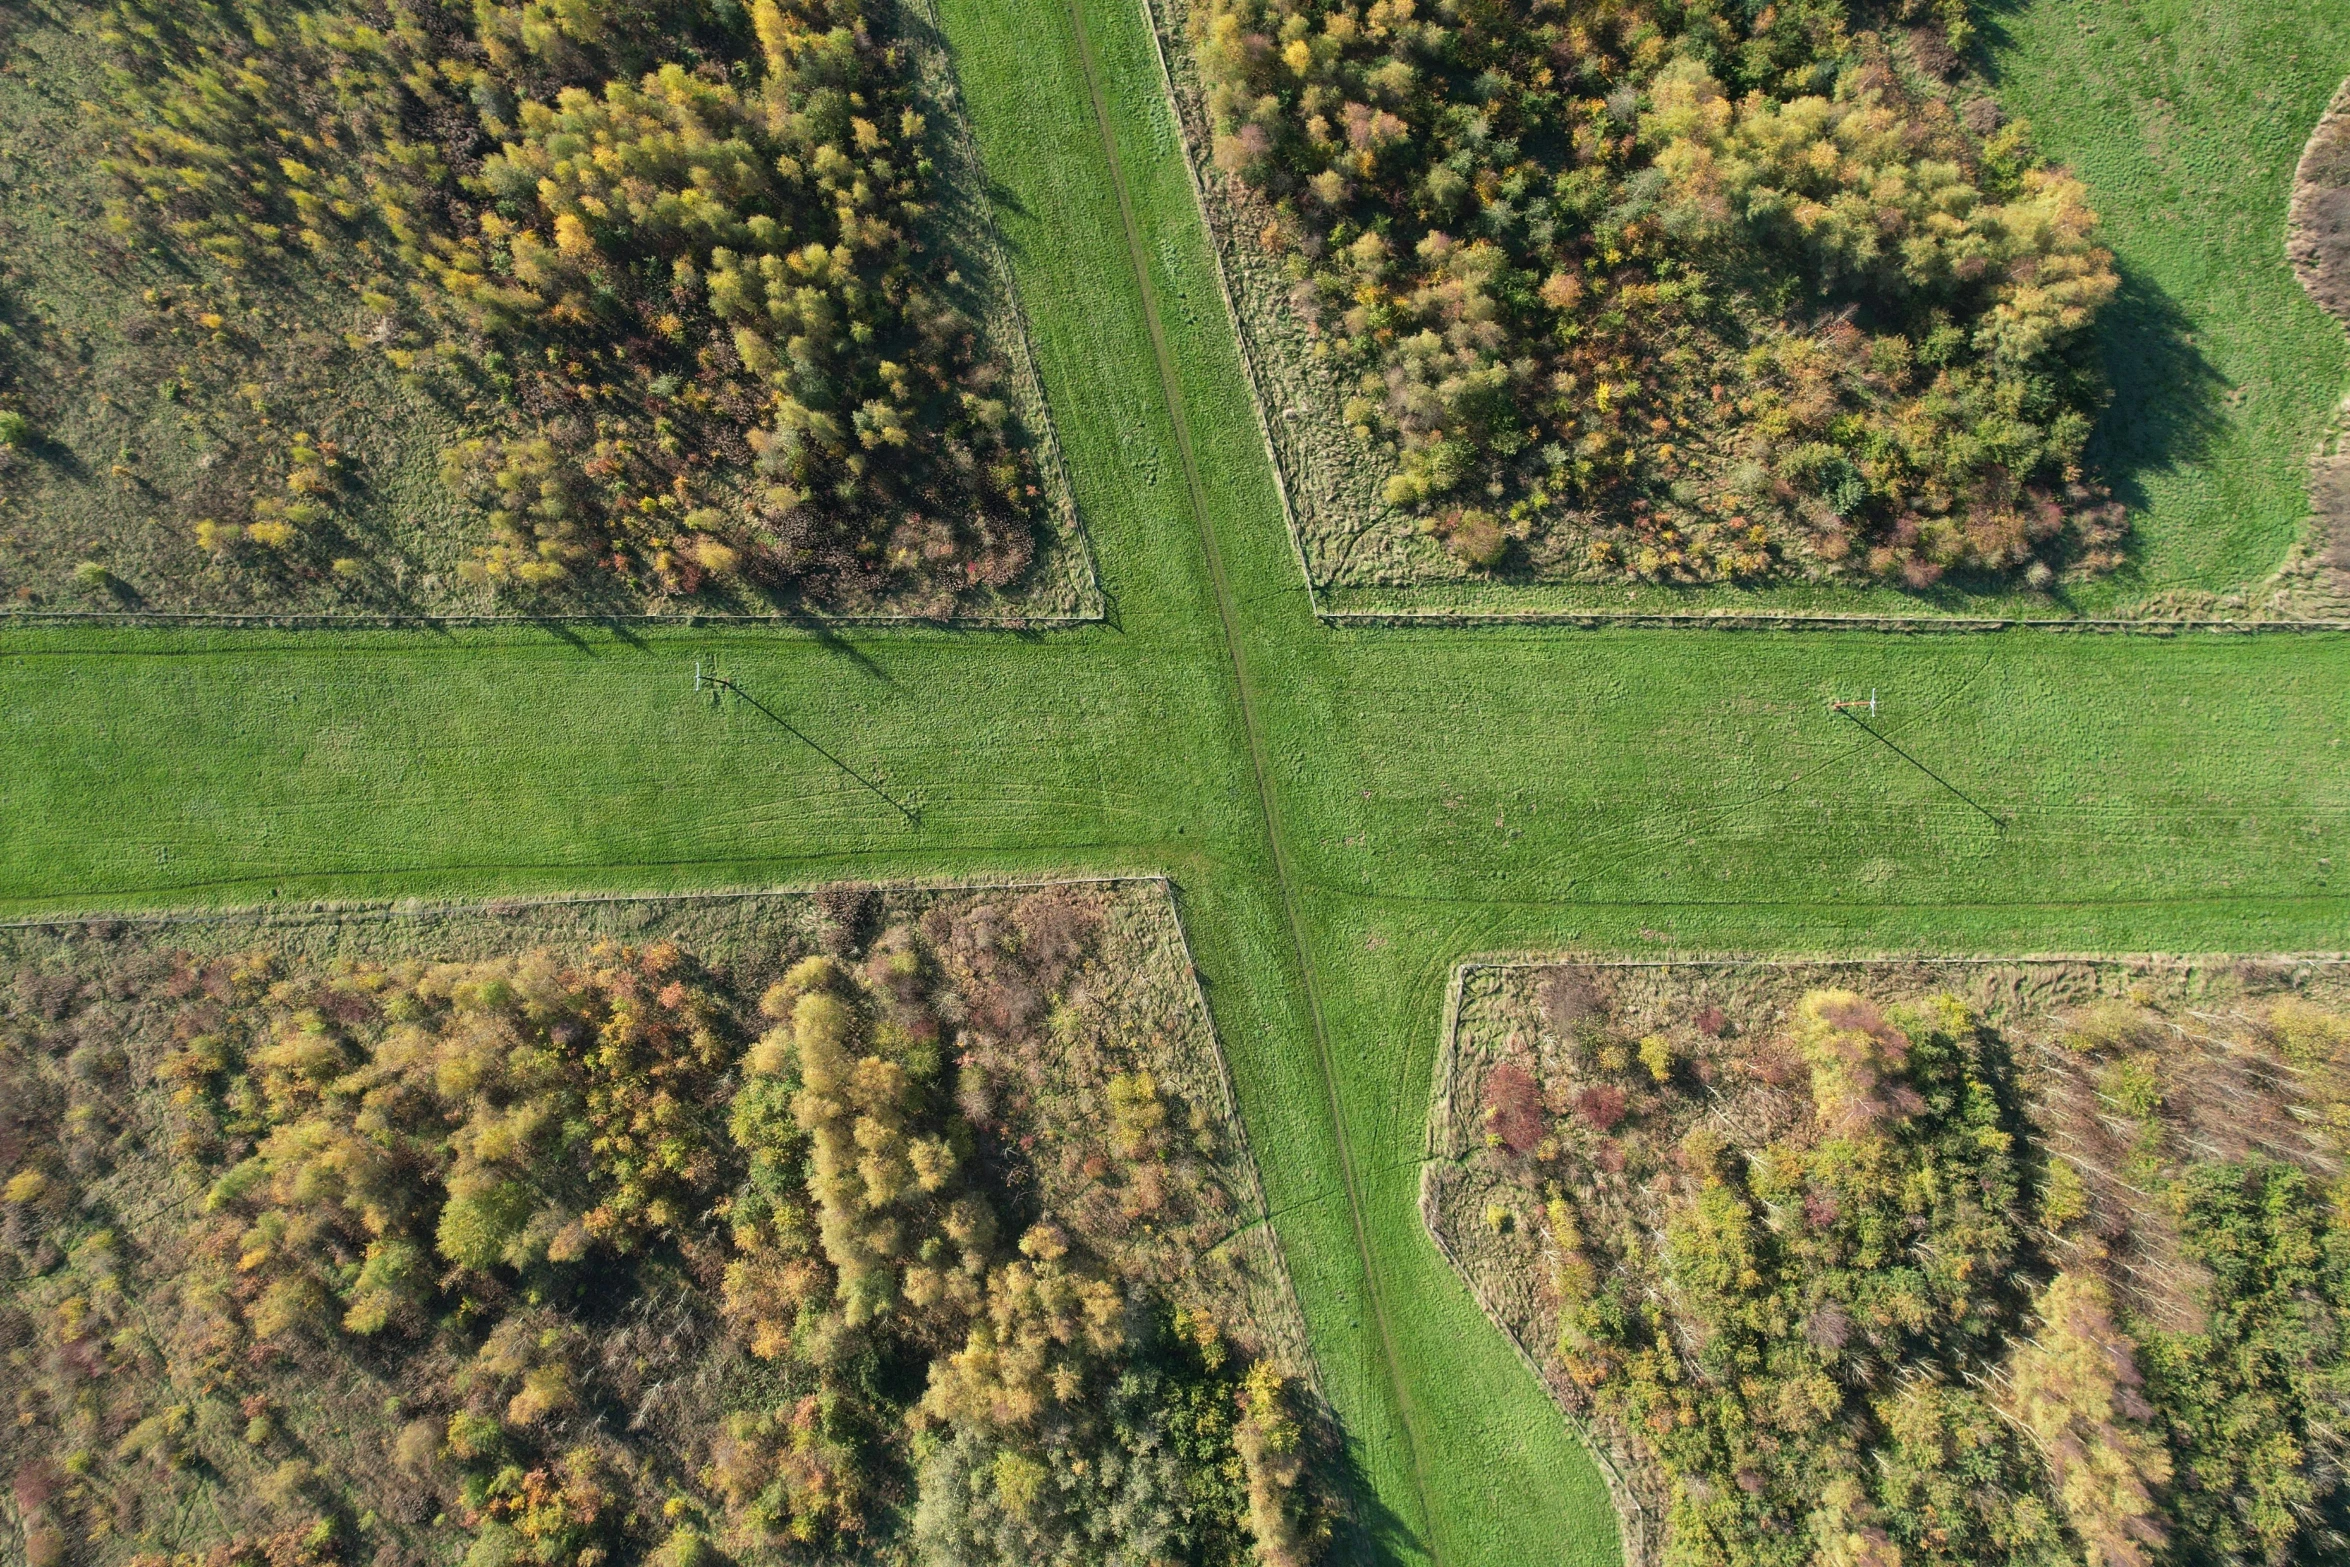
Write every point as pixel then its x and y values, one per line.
pixel 1361 808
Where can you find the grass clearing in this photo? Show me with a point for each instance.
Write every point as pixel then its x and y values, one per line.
pixel 1441 792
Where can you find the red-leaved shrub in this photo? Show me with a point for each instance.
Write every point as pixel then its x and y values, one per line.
pixel 1513 1107
pixel 1600 1106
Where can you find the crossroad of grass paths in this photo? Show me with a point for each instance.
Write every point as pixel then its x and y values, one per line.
pixel 1437 792
pixel 1247 703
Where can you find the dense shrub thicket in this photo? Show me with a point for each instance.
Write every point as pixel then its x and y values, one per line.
pixel 1710 291
pixel 670 258
pixel 640 1285
pixel 1876 1322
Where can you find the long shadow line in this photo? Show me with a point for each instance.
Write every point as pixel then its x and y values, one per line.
pixel 724 684
pixel 1996 821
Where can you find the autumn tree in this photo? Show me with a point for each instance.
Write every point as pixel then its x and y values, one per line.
pixel 1675 293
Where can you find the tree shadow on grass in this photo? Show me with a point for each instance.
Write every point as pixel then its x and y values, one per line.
pixel 1371 1532
pixel 2167 406
pixel 18 327
pixel 1992 40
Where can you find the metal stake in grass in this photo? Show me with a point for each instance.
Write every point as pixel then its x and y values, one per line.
pixel 718 685
pixel 1845 707
pixel 1850 709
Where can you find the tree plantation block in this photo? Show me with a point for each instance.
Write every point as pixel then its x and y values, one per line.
pixel 638 303
pixel 1680 294
pixel 861 1226
pixel 1921 1262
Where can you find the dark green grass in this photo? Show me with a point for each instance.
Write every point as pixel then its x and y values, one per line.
pixel 1439 792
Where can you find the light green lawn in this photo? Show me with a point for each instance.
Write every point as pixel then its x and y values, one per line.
pixel 2185 120
pixel 1435 793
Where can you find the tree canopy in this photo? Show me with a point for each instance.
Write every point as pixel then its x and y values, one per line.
pixel 676 265
pixel 1711 292
pixel 645 1269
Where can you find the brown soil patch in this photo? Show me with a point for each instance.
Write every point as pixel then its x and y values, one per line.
pixel 2317 239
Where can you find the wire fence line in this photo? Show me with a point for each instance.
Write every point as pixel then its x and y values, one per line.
pixel 328 911
pixel 1725 960
pixel 1805 620
pixel 396 620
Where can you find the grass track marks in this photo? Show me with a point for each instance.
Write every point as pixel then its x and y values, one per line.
pixel 1227 613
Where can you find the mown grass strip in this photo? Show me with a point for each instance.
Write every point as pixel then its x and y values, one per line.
pixel 1235 647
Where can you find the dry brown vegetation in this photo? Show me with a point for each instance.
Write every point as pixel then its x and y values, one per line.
pixel 2318 240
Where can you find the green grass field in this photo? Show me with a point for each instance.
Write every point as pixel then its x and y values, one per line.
pixel 1383 803
pixel 2185 121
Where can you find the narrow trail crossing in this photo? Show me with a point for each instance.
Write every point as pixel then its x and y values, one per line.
pixel 1236 649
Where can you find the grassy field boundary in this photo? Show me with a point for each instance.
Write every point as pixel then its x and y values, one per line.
pixel 1721 960
pixel 329 910
pixel 1737 620
pixel 1575 619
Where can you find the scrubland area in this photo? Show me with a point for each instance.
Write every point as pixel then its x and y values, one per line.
pixel 906 1226
pixel 2031 1261
pixel 1345 811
